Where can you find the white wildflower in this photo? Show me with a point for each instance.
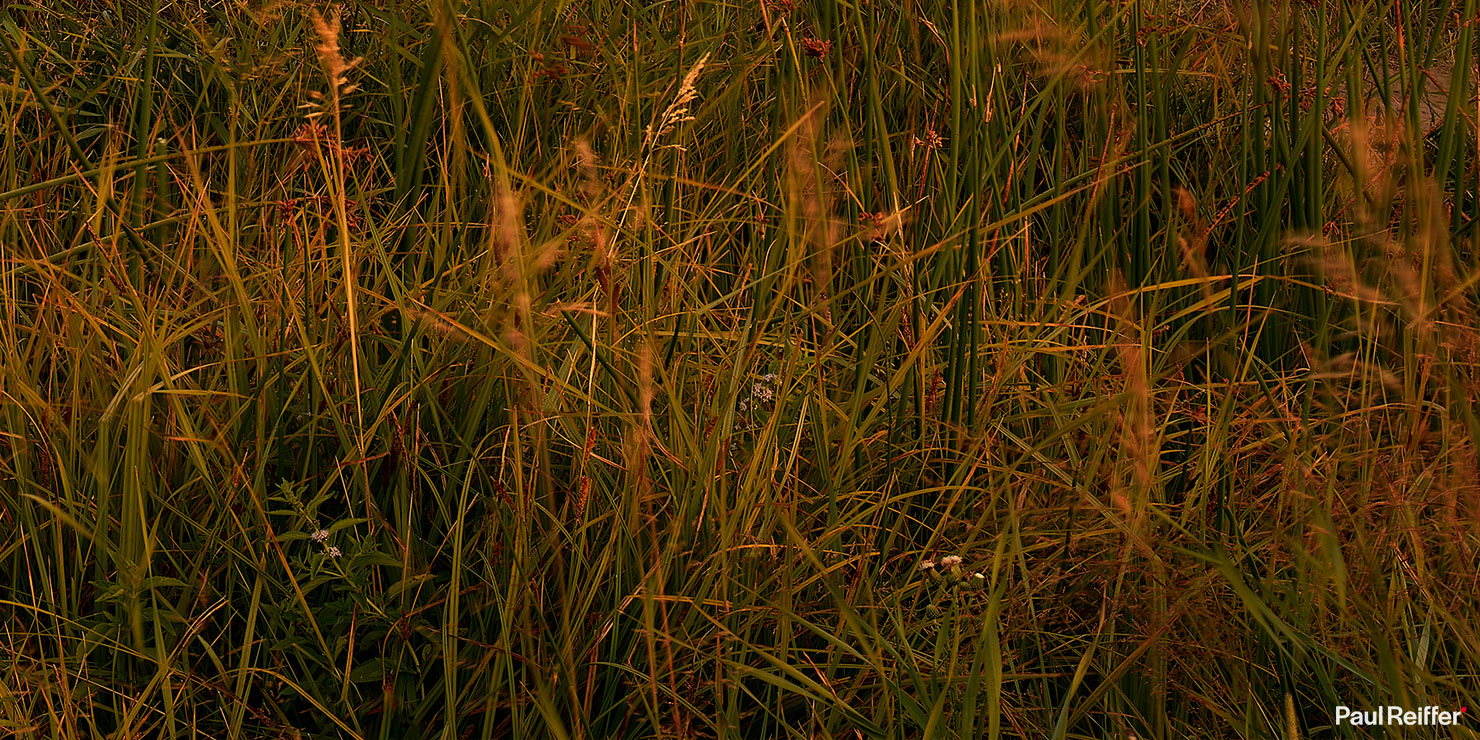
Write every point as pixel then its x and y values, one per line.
pixel 320 536
pixel 950 561
pixel 764 389
pixel 334 552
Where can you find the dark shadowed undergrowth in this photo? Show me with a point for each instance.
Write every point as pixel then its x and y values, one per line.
pixel 1069 369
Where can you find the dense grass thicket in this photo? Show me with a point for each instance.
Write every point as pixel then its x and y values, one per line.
pixel 783 368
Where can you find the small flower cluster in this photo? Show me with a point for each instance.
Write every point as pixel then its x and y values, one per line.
pixel 762 391
pixel 291 494
pixel 950 570
pixel 762 396
pixel 321 536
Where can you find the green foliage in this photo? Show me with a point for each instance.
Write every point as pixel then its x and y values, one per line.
pixel 614 369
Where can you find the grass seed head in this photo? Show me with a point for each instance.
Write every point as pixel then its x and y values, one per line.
pixel 328 50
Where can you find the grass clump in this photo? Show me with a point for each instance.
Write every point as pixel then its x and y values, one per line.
pixel 807 369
